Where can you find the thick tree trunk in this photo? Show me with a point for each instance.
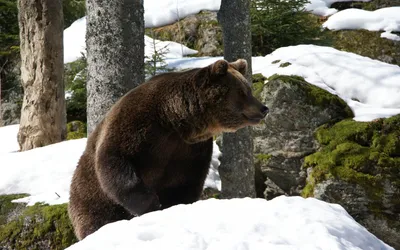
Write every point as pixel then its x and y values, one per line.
pixel 237 164
pixel 43 109
pixel 115 53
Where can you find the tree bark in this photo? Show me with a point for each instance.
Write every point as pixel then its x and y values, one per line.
pixel 42 68
pixel 115 53
pixel 237 164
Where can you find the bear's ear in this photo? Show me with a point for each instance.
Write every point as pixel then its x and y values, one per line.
pixel 219 68
pixel 240 65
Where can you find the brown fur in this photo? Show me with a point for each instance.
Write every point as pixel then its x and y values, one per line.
pixel 153 148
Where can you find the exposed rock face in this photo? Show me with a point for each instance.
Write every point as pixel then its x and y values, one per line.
pixel 297 108
pixel 200 32
pixel 358 167
pixel 381 219
pixel 309 146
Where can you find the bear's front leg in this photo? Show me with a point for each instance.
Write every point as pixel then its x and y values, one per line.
pixel 122 185
pixel 185 194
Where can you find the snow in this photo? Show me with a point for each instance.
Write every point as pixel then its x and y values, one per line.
pixel 370 87
pixel 75 46
pixel 8 139
pixel 321 7
pixel 284 223
pixel 390 36
pixel 174 50
pixel 45 173
pixel 159 13
pixel 213 180
pixel 386 19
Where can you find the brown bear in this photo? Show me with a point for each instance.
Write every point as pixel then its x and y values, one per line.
pixel 153 148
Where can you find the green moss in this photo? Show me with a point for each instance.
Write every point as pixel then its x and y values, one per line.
pixel 76 130
pixel 308 190
pixel 367 43
pixel 263 158
pixel 258 82
pixel 284 65
pixel 276 61
pixel 210 193
pixel 364 153
pixel 39 224
pixel 315 96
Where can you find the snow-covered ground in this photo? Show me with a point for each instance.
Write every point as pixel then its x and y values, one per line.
pixel 45 173
pixel 322 7
pixel 159 13
pixel 385 19
pixel 75 46
pixel 370 87
pixel 284 223
pixel 8 139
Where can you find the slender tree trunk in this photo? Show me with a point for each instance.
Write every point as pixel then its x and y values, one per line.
pixel 42 68
pixel 1 72
pixel 115 53
pixel 237 164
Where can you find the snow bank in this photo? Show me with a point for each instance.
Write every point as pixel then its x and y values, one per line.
pixel 8 139
pixel 173 49
pixel 321 7
pixel 386 19
pixel 159 13
pixel 371 88
pixel 75 46
pixel 45 173
pixel 284 223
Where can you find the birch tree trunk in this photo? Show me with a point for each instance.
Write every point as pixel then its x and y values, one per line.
pixel 115 53
pixel 43 109
pixel 237 164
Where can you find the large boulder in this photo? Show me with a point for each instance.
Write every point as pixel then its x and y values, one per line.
pixel 358 167
pixel 285 137
pixel 35 227
pixel 310 146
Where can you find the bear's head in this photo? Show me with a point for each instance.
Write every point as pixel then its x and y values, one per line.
pixel 228 97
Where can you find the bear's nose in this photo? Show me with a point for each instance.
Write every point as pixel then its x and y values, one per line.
pixel 264 110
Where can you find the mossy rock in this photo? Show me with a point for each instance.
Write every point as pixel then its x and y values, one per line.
pixel 358 167
pixel 9 209
pixel 76 130
pixel 370 5
pixel 258 81
pixel 201 32
pixel 36 227
pixel 315 96
pixel 285 136
pixel 209 193
pixel 284 65
pixel 367 43
pixel 365 153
